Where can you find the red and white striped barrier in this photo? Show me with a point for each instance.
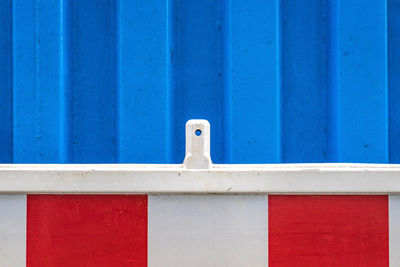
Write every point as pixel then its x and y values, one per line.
pixel 199 230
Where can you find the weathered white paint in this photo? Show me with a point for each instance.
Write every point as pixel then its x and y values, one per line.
pixel 13 230
pixel 220 179
pixel 208 230
pixel 394 230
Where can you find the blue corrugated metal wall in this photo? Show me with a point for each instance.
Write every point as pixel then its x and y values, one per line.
pixel 89 81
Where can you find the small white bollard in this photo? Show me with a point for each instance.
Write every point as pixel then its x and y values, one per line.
pixel 197 145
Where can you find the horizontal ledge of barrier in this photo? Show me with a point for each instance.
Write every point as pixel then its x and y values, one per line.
pixel 218 179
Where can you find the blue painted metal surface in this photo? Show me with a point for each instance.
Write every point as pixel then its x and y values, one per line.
pixel 90 81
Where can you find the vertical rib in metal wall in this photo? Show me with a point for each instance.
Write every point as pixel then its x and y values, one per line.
pixel 36 82
pixel 92 81
pixel 393 31
pixel 303 68
pixel 144 58
pixel 361 105
pixel 5 81
pixel 252 86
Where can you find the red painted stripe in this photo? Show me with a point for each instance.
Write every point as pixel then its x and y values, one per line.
pixel 328 231
pixel 86 230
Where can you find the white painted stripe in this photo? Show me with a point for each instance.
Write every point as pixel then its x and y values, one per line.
pixel 394 230
pixel 211 230
pixel 13 230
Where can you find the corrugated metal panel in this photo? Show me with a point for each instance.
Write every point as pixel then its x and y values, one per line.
pixel 90 81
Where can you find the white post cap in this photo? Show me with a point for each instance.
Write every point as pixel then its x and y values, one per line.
pixel 197 145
